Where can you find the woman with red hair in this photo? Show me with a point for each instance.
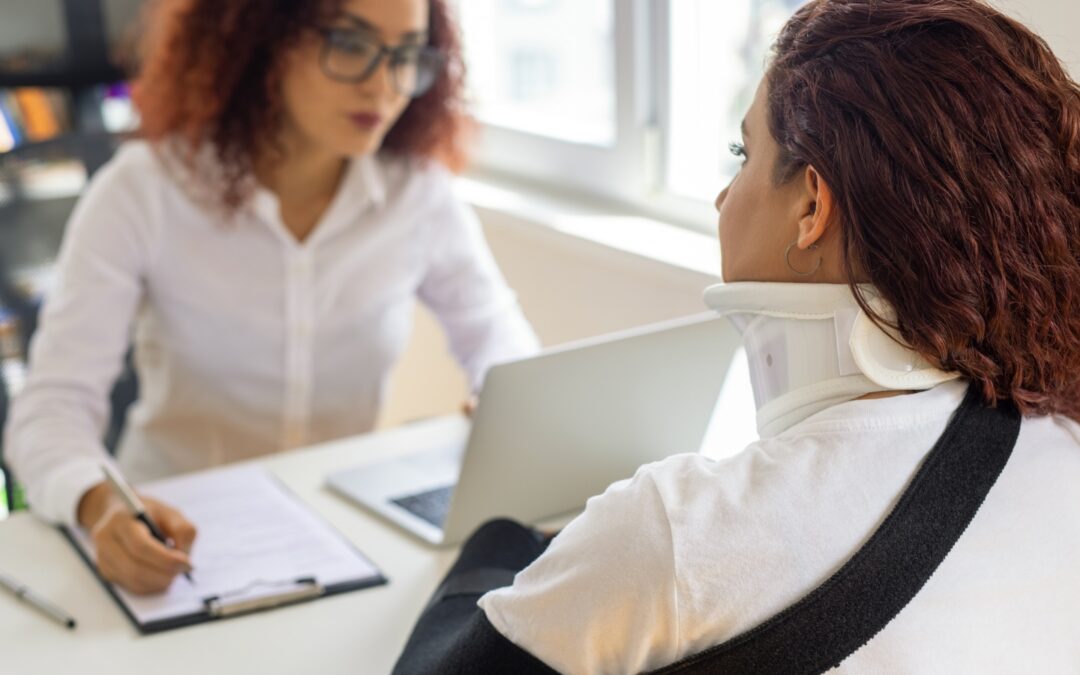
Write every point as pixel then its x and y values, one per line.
pixel 265 241
pixel 902 255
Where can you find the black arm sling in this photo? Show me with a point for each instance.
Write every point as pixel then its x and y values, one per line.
pixel 812 636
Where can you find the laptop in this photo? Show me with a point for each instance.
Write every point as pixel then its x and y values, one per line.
pixel 552 430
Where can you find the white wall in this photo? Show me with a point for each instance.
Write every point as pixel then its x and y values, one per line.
pixel 31 25
pixel 569 288
pixel 1058 21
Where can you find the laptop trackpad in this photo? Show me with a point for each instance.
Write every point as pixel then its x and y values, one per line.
pixel 418 472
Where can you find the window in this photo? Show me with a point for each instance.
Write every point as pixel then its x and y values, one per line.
pixel 718 56
pixel 629 101
pixel 543 66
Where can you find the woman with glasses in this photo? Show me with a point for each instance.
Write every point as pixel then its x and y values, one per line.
pixel 263 246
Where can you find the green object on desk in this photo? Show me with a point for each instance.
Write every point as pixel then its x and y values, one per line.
pixel 19 500
pixel 20 497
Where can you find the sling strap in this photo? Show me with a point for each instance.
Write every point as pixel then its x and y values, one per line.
pixel 837 618
pixel 815 634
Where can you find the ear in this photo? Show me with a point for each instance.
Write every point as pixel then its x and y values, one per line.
pixel 820 207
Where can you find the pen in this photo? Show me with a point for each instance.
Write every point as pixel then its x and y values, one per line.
pixel 23 593
pixel 135 505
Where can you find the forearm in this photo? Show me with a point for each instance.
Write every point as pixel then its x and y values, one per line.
pixel 93 504
pixel 487 337
pixel 53 437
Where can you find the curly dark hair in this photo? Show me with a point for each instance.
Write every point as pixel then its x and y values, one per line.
pixel 210 72
pixel 950 136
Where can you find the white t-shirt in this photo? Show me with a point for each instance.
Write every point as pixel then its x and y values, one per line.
pixel 247 341
pixel 692 552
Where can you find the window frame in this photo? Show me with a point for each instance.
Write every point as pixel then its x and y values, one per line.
pixel 631 173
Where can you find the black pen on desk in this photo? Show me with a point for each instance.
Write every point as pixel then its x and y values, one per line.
pixel 135 505
pixel 22 592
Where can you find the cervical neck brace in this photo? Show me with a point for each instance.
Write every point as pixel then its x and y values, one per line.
pixel 810 346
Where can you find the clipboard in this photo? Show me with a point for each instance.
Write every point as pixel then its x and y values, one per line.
pixel 234 496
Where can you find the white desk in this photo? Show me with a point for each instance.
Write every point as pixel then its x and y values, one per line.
pixel 359 632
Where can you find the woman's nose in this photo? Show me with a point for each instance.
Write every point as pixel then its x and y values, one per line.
pixel 721 197
pixel 381 82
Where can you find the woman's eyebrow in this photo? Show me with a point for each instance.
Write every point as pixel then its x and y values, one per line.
pixel 365 25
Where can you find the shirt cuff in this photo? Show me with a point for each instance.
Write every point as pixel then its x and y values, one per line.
pixel 59 501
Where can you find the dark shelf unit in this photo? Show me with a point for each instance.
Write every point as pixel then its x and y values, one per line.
pixel 85 65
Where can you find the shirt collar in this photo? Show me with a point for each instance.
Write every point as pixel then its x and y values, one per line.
pixel 362 186
pixel 367 171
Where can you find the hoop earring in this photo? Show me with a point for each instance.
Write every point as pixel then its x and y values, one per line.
pixel 787 259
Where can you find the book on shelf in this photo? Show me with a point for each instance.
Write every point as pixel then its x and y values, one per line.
pixel 34 114
pixel 11 129
pixel 40 120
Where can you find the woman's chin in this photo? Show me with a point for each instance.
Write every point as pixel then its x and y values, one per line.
pixel 357 144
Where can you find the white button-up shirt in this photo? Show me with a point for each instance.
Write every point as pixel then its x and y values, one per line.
pixel 246 341
pixel 692 552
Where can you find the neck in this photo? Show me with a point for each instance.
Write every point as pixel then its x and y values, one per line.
pixel 303 177
pixel 299 172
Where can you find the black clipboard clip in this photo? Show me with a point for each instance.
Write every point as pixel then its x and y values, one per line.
pixel 259 595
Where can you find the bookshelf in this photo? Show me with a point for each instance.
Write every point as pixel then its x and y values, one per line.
pixel 63 64
pixel 63 100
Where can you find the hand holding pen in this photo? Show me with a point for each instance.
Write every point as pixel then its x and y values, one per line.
pixel 142 544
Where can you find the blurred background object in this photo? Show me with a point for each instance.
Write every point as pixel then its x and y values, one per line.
pixel 64 108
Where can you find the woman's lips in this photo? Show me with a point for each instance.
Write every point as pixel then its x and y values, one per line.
pixel 365 121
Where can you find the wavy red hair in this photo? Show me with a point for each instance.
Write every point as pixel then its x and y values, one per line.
pixel 211 73
pixel 950 136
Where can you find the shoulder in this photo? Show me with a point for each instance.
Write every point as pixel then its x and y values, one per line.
pixel 123 200
pixel 630 515
pixel 601 598
pixel 622 588
pixel 135 175
pixel 135 161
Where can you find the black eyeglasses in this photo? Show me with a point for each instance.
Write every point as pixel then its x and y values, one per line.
pixel 353 56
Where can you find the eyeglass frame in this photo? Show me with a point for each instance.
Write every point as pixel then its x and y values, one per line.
pixel 384 52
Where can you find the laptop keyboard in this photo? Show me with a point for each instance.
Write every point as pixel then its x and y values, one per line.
pixel 430 506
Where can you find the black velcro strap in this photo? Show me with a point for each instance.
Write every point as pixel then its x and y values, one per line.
pixel 862 597
pixel 474 582
pixel 452 634
pixel 479 648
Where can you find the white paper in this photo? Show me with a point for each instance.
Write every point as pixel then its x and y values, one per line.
pixel 252 536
